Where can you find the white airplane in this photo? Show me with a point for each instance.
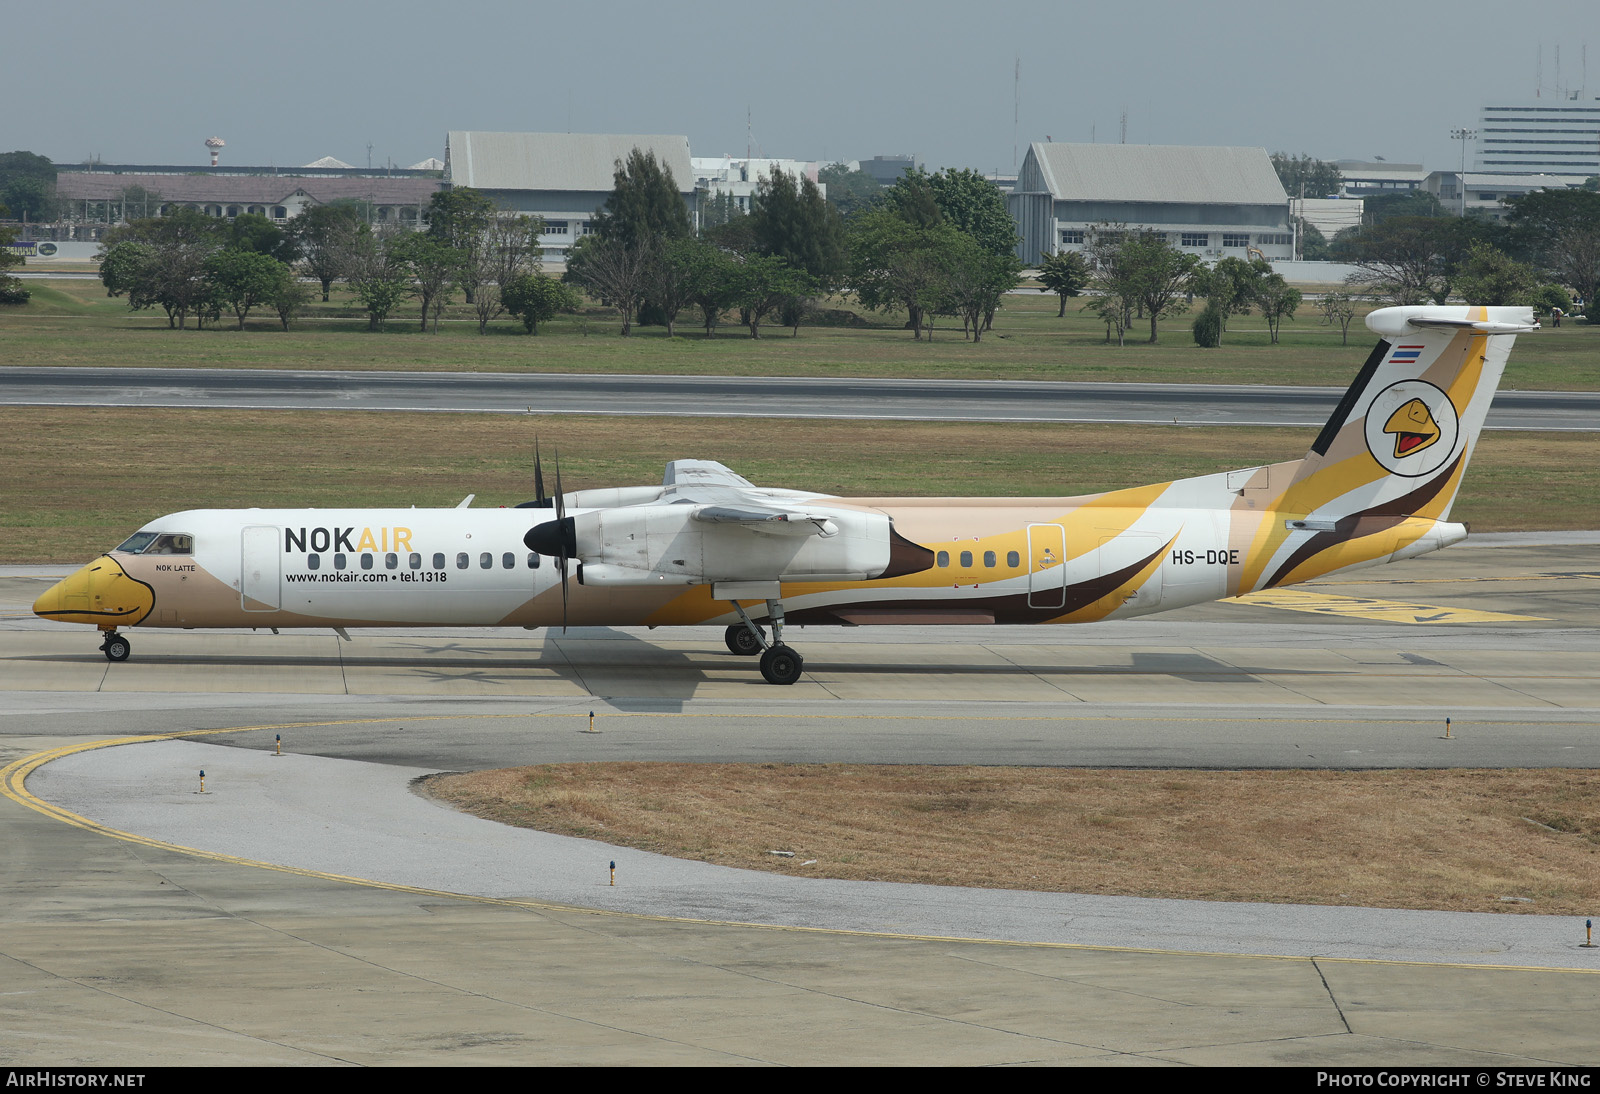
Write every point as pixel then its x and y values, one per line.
pixel 708 547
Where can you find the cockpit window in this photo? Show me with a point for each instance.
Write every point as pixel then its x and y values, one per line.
pixel 158 543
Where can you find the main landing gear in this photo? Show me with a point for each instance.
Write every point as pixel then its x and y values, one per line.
pixel 116 647
pixel 779 663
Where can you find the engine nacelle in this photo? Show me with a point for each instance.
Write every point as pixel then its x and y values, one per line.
pixel 654 544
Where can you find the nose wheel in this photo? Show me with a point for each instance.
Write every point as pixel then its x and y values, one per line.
pixel 116 647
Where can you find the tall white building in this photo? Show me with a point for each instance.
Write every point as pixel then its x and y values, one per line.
pixel 1558 136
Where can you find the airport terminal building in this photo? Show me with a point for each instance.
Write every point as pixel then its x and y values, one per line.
pixel 1213 202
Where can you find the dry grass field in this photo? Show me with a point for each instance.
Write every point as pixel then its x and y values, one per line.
pixel 1518 841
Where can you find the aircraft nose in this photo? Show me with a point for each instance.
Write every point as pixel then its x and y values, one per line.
pixel 101 594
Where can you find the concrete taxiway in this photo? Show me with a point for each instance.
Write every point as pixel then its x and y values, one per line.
pixel 123 948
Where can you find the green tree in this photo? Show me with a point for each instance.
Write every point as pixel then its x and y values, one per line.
pixel 128 269
pixel 849 191
pixel 613 271
pixel 507 249
pixel 173 273
pixel 976 280
pixel 913 197
pixel 764 283
pixel 1142 269
pixel 976 206
pixel 460 219
pixel 1305 176
pixel 1490 276
pixel 1232 285
pixel 712 281
pixel 1277 300
pixel 255 233
pixel 1065 273
pixel 378 274
pixel 243 279
pixel 793 221
pixel 1559 231
pixel 1410 260
pixel 535 298
pixel 325 236
pixel 28 186
pixel 1314 245
pixel 645 203
pixel 12 290
pixel 289 299
pixel 1208 326
pixel 1340 308
pixel 434 266
pixel 899 264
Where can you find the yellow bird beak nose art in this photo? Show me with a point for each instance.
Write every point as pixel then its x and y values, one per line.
pixel 1413 427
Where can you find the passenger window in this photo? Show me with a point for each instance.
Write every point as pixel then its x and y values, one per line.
pixel 461 560
pixel 944 558
pixel 966 558
pixel 533 560
pixel 1013 559
pixel 988 558
pixel 508 561
pixel 313 562
pixel 366 560
pixel 339 562
pixel 486 561
pixel 438 561
pixel 415 561
pixel 391 561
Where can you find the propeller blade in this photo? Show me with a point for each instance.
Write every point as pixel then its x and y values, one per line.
pixel 538 477
pixel 569 545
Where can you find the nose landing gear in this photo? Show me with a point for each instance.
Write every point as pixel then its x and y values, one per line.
pixel 116 647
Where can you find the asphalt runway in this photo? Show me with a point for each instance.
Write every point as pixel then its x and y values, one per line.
pixel 744 397
pixel 145 922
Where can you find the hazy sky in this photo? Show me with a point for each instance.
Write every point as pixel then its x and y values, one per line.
pixel 287 81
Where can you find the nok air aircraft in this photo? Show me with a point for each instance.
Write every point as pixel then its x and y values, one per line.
pixel 709 547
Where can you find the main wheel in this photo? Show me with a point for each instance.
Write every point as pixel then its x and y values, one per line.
pixel 781 665
pixel 117 648
pixel 740 641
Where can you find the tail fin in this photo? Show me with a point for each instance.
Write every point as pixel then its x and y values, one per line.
pixel 1381 477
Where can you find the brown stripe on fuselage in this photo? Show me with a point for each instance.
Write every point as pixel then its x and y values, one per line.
pixel 1366 523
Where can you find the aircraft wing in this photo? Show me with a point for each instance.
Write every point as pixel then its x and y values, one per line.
pixel 686 475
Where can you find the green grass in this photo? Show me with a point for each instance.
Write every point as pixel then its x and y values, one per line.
pixel 72 322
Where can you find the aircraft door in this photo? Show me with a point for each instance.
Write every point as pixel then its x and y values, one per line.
pixel 260 574
pixel 1047 549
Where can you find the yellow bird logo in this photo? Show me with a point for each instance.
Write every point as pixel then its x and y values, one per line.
pixel 1413 427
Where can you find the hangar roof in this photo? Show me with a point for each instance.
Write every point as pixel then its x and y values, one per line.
pixel 556 161
pixel 1152 172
